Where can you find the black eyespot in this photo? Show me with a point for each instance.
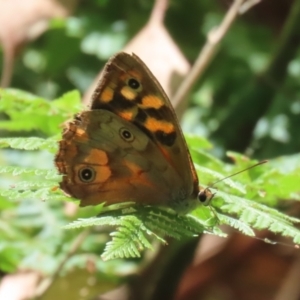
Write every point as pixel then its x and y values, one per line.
pixel 133 83
pixel 126 135
pixel 87 174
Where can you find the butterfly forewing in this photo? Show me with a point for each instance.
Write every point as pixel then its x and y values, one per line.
pixel 130 90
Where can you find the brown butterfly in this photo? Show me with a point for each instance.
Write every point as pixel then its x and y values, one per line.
pixel 129 146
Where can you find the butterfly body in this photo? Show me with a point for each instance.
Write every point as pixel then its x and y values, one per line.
pixel 128 146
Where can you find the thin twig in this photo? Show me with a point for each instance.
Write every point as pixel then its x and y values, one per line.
pixel 46 283
pixel 158 11
pixel 8 65
pixel 247 5
pixel 209 50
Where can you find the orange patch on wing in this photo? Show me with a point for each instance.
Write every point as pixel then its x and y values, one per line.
pixel 153 125
pixel 96 156
pixel 127 114
pixel 103 174
pixel 152 101
pixel 107 95
pixel 128 93
pixel 81 135
pixel 80 132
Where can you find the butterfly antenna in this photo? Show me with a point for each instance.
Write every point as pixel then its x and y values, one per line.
pixel 205 195
pixel 253 166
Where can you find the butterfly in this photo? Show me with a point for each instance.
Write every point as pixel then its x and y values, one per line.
pixel 128 146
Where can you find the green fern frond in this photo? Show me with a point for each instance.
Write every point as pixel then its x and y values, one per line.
pixel 236 223
pixel 287 230
pixel 122 245
pixel 50 174
pixel 235 204
pixel 131 237
pixel 128 240
pixel 98 221
pixel 171 224
pixel 260 216
pixel 29 112
pixel 15 194
pixel 32 185
pixel 137 225
pixel 42 184
pixel 29 143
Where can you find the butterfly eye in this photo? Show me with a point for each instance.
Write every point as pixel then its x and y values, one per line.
pixel 87 174
pixel 202 196
pixel 126 135
pixel 205 196
pixel 134 84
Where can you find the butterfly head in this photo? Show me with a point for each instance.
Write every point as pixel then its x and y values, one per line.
pixel 183 204
pixel 205 196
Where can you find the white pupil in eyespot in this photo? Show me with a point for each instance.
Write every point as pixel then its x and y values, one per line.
pixel 126 134
pixel 86 174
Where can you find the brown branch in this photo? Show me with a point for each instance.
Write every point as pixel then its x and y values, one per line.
pixel 167 266
pixel 209 50
pixel 8 65
pixel 159 10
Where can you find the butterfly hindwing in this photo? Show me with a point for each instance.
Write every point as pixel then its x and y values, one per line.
pixel 107 158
